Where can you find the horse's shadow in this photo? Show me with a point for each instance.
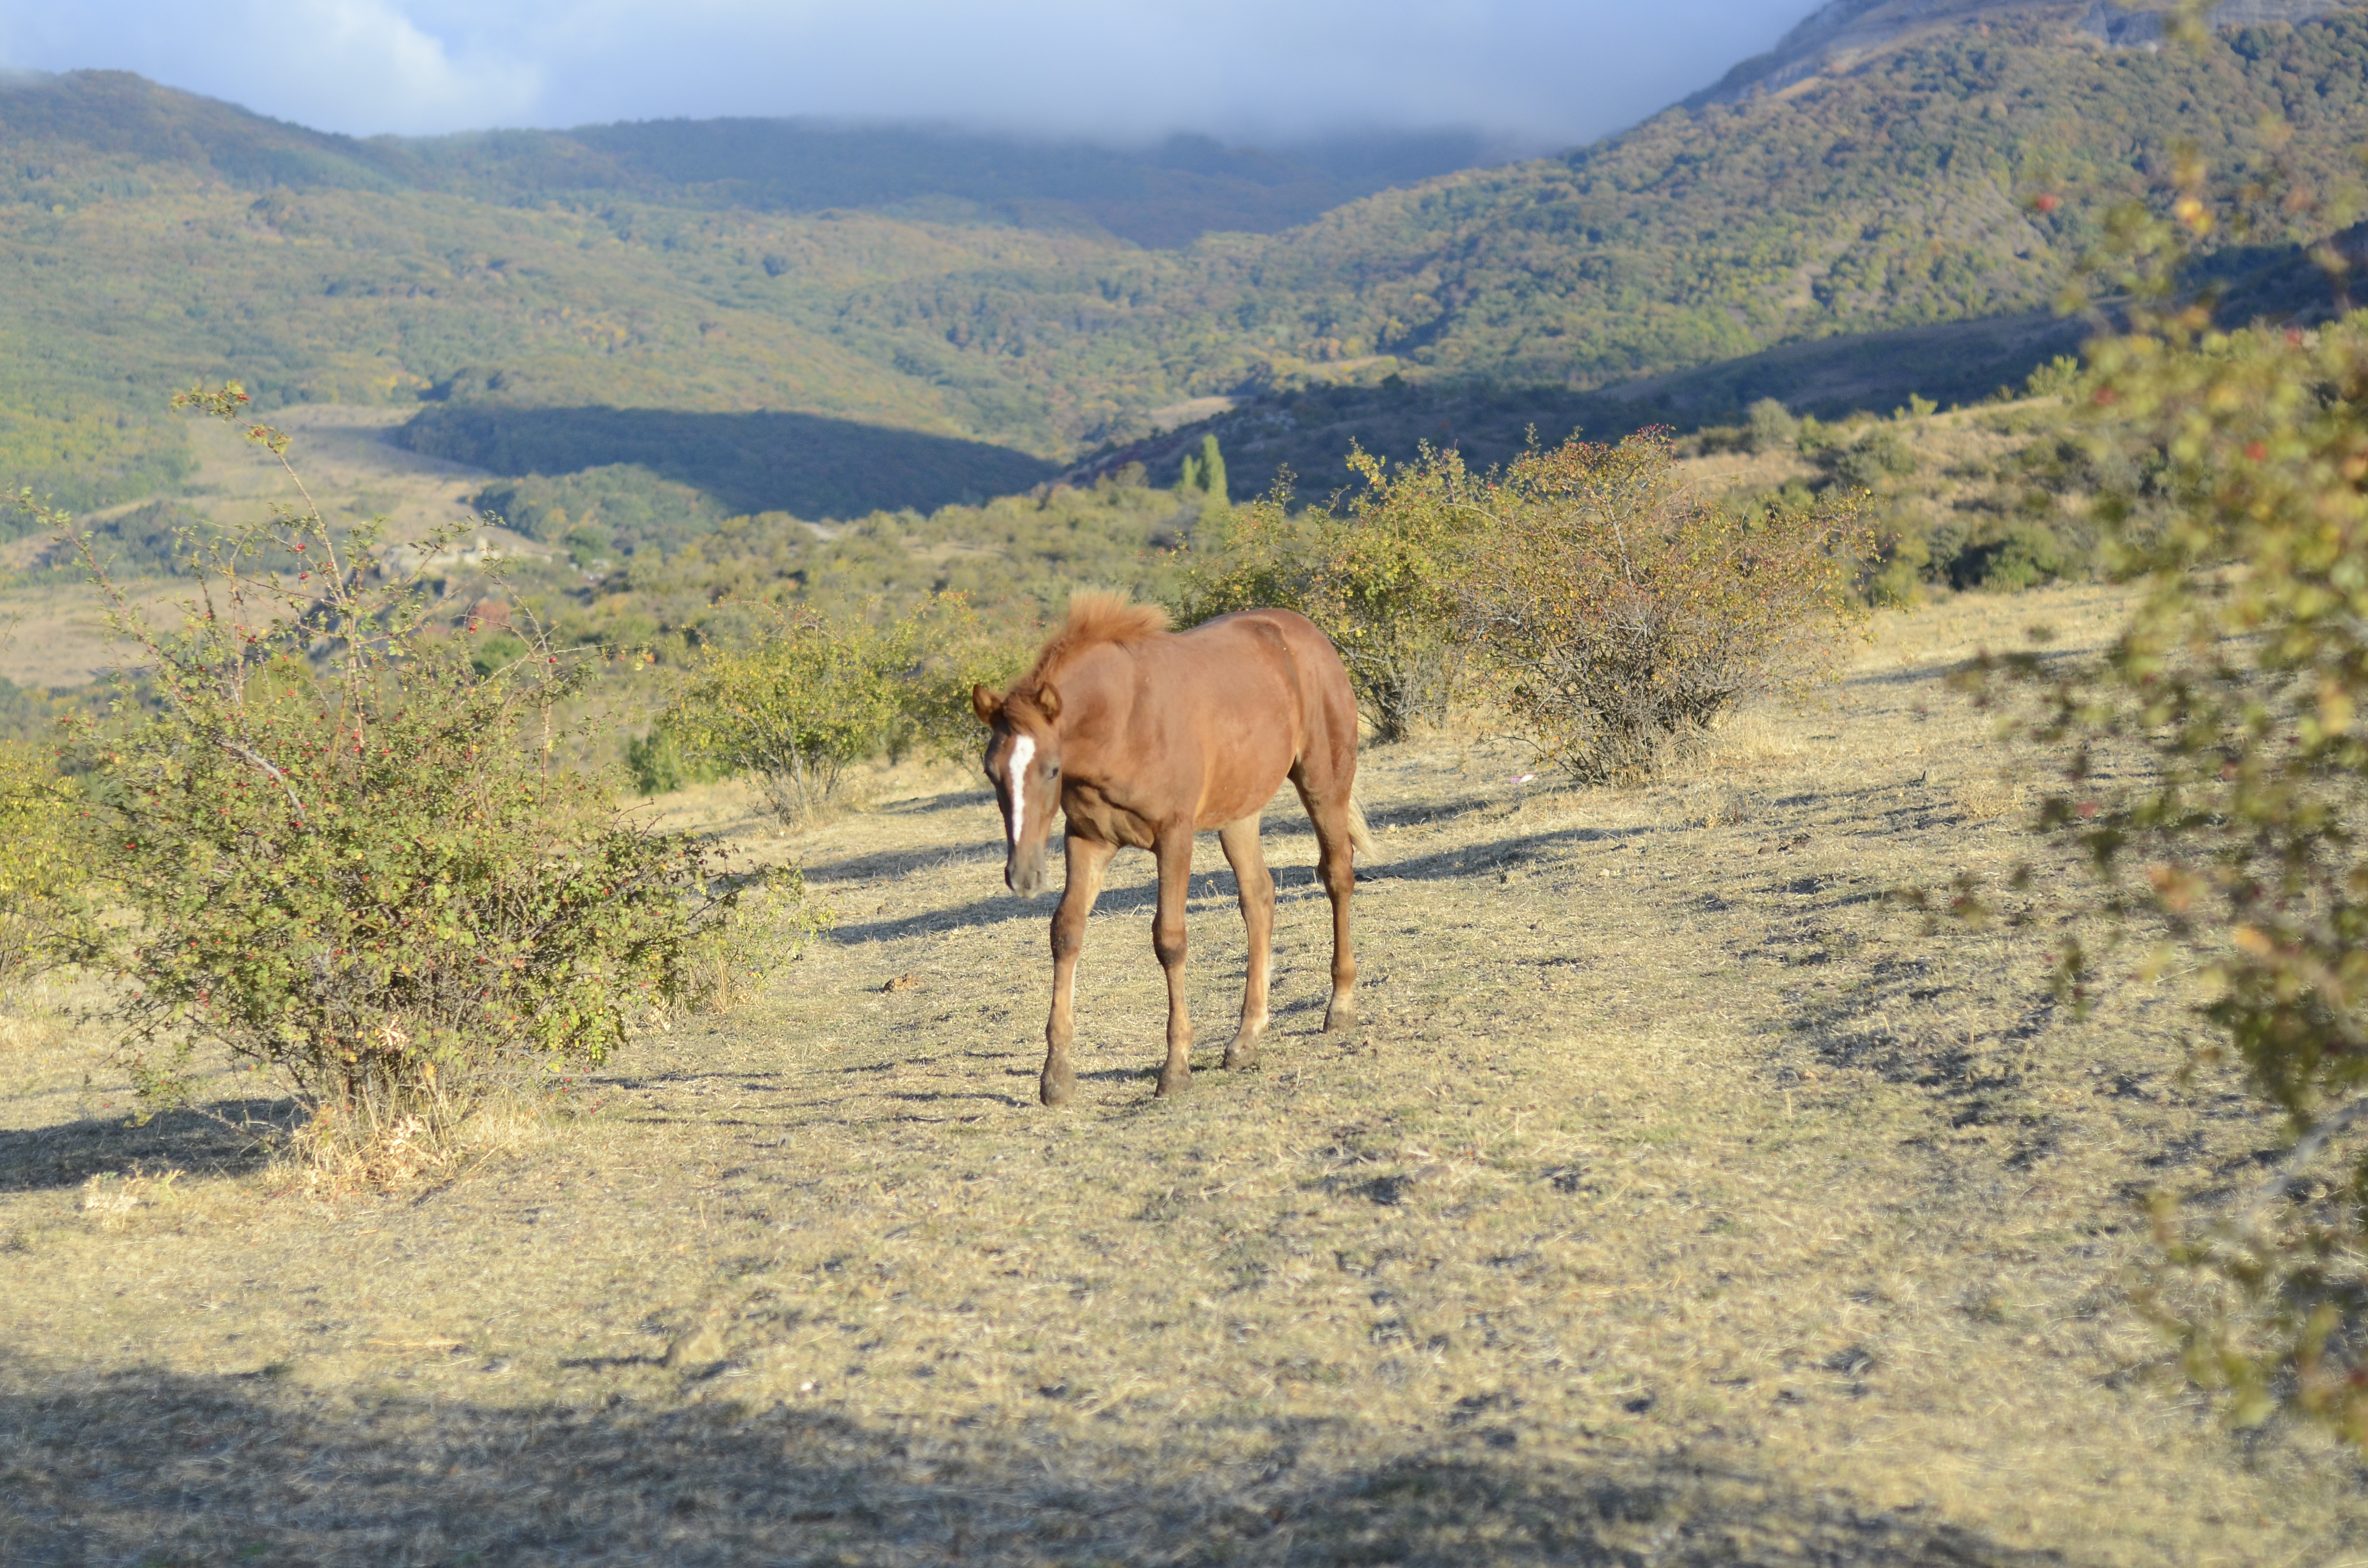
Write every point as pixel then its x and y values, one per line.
pixel 1001 909
pixel 1284 818
pixel 1470 862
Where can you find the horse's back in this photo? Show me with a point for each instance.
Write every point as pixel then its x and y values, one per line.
pixel 1258 661
pixel 1253 659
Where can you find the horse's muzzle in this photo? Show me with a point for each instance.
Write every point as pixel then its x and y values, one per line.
pixel 1024 874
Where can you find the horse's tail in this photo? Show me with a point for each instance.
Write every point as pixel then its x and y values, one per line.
pixel 1360 836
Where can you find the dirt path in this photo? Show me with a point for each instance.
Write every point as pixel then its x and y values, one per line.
pixel 1680 1202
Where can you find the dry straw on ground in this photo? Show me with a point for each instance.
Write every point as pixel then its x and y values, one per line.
pixel 1680 1202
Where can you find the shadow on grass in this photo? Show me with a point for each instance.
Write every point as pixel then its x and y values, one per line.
pixel 226 1136
pixel 947 799
pixel 883 865
pixel 1422 815
pixel 1282 820
pixel 151 1467
pixel 806 464
pixel 1469 860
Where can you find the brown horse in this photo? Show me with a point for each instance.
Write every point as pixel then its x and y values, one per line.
pixel 1145 737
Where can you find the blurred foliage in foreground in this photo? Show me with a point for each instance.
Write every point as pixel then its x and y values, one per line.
pixel 2215 771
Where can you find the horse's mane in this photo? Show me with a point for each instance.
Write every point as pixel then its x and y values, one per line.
pixel 1094 618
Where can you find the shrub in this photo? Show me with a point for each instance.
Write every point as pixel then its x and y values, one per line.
pixel 655 763
pixel 1381 576
pixel 2058 378
pixel 2234 836
pixel 1771 426
pixel 1624 613
pixel 1882 454
pixel 816 689
pixel 496 652
pixel 2023 555
pixel 770 923
pixel 40 861
pixel 1908 539
pixel 2245 688
pixel 796 705
pixel 347 856
pixel 955 648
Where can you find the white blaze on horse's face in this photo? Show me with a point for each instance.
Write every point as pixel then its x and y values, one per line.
pixel 1023 751
pixel 1030 771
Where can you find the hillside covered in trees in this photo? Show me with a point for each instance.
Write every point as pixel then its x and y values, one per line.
pixel 930 330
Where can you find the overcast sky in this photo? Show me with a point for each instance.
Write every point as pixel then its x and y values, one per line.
pixel 1547 70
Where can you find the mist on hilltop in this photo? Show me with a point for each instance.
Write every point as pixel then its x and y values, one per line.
pixel 1531 72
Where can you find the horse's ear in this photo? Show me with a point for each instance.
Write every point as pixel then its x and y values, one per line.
pixel 1048 701
pixel 986 705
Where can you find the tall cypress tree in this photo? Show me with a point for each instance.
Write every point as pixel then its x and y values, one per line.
pixel 1211 470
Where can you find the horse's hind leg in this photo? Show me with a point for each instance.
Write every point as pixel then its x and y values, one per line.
pixel 1335 868
pixel 1175 852
pixel 1240 840
pixel 1087 862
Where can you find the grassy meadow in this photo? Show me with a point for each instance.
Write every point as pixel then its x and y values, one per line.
pixel 1679 1200
pixel 53 635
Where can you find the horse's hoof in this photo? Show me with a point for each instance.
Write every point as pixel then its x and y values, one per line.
pixel 1339 1017
pixel 1057 1090
pixel 1242 1052
pixel 1173 1082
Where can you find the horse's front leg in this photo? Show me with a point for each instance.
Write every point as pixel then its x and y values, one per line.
pixel 1175 851
pixel 1257 883
pixel 1086 861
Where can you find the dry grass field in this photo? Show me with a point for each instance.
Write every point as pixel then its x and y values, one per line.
pixel 1681 1202
pixel 53 635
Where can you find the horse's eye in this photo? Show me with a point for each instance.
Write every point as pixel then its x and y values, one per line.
pixel 1050 769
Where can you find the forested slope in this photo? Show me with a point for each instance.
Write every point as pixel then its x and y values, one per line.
pixel 141 252
pixel 1897 194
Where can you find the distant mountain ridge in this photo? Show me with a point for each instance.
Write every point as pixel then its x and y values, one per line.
pixel 1163 195
pixel 526 288
pixel 1842 34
